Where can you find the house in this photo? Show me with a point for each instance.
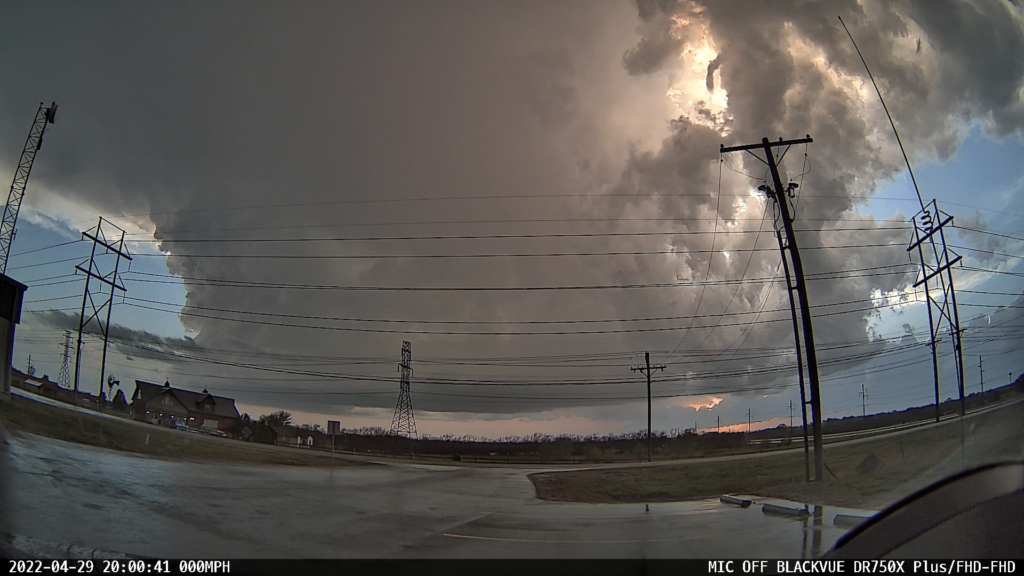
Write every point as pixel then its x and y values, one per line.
pixel 171 407
pixel 50 389
pixel 299 438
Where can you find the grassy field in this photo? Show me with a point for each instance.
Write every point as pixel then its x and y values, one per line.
pixel 868 474
pixel 18 413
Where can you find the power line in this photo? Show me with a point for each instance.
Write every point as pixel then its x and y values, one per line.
pixel 510 236
pixel 499 255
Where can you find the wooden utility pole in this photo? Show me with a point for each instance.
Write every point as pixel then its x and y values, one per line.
pixel 863 402
pixel 647 370
pixel 981 374
pixel 780 196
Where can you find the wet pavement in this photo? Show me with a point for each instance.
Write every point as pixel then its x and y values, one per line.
pixel 95 498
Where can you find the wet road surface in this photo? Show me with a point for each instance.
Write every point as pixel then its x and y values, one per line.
pixel 73 494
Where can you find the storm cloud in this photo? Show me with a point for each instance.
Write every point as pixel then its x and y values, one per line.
pixel 345 124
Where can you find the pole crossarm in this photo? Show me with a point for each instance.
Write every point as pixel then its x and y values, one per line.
pixel 100 278
pixel 921 237
pixel 760 145
pixel 938 271
pixel 102 242
pixel 647 368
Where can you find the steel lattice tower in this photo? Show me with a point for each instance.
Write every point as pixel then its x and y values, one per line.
pixel 64 378
pixel 936 264
pixel 90 296
pixel 937 278
pixel 404 422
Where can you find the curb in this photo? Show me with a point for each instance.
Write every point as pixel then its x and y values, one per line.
pixel 848 520
pixel 741 502
pixel 771 509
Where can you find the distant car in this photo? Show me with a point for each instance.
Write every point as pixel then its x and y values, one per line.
pixel 180 426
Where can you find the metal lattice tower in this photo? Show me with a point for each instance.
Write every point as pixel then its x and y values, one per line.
pixel 64 377
pixel 106 300
pixel 937 262
pixel 34 142
pixel 404 422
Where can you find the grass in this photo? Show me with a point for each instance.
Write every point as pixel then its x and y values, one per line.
pixel 902 464
pixel 867 474
pixel 17 413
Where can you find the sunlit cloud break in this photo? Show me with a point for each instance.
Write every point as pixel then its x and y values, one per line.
pixel 709 403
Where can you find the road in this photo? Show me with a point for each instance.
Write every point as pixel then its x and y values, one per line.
pixel 67 493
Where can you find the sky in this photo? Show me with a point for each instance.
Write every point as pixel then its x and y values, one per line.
pixel 531 194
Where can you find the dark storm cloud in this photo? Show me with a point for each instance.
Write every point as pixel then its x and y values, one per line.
pixel 131 342
pixel 285 115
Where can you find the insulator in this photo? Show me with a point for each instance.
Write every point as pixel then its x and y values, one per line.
pixel 926 220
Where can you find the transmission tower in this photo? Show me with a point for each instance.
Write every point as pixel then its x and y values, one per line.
pixel 106 300
pixel 937 262
pixel 34 142
pixel 64 377
pixel 404 422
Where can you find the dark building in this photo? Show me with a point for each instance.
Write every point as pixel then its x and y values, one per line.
pixel 12 293
pixel 174 407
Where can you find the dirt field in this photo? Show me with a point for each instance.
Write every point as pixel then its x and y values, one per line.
pixel 18 413
pixel 869 474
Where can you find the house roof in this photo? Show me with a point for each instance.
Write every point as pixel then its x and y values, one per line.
pixel 285 431
pixel 221 406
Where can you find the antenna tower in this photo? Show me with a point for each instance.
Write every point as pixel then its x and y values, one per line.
pixel 404 422
pixel 34 142
pixel 106 300
pixel 64 377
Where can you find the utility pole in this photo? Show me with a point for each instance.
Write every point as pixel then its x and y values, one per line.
pixel 748 420
pixel 981 374
pixel 791 414
pixel 799 355
pixel 30 370
pixel 117 248
pixel 404 421
pixel 647 370
pixel 33 144
pixel 719 424
pixel 863 402
pixel 781 198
